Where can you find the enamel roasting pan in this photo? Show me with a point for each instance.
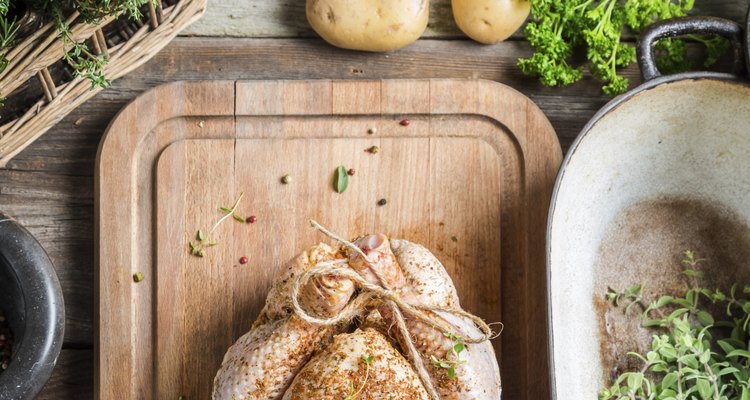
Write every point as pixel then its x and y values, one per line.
pixel 660 170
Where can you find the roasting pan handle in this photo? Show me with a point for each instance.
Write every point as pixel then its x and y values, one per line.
pixel 685 26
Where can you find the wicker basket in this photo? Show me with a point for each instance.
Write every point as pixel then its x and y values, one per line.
pixel 129 44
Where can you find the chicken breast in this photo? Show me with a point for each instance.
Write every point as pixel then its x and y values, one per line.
pixel 262 364
pixel 477 375
pixel 361 365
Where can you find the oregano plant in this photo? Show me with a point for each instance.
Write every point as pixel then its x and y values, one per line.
pixel 696 352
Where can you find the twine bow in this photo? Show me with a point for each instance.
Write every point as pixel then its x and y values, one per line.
pixel 372 295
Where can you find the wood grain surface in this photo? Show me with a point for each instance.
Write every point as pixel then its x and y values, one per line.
pixel 49 187
pixel 286 18
pixel 470 178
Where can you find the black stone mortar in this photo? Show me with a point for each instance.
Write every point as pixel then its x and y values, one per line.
pixel 32 302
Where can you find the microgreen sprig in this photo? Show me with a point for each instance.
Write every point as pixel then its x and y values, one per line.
pixel 367 359
pixel 203 240
pixel 452 358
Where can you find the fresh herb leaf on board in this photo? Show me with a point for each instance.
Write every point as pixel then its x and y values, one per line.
pixel 341 181
pixel 560 28
pixel 697 352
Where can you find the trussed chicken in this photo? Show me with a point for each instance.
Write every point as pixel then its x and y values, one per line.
pixel 274 361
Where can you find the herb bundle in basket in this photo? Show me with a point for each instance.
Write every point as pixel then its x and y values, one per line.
pixel 56 54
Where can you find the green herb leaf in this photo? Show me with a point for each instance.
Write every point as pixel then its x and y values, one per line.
pixel 705 318
pixel 697 352
pixel 560 29
pixel 341 179
pixel 663 301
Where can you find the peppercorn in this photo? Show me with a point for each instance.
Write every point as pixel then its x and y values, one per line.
pixel 243 260
pixel 405 122
pixel 350 172
pixel 382 202
pixel 286 179
pixel 374 149
pixel 251 219
pixel 138 277
pixel 372 131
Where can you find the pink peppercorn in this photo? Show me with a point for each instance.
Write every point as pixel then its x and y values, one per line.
pixel 405 122
pixel 243 260
pixel 251 219
pixel 350 172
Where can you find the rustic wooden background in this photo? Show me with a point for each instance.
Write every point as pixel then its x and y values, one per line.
pixel 49 186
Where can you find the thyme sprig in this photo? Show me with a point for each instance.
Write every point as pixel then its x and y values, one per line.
pixel 367 359
pixel 696 353
pixel 8 31
pixel 452 358
pixel 85 62
pixel 203 240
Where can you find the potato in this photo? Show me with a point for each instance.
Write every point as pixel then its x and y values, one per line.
pixel 370 25
pixel 490 21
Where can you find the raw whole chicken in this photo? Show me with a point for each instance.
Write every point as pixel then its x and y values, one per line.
pixel 421 279
pixel 362 365
pixel 286 358
pixel 263 362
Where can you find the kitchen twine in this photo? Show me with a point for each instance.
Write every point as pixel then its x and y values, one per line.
pixel 383 294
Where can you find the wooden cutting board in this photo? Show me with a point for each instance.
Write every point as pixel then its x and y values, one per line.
pixel 470 178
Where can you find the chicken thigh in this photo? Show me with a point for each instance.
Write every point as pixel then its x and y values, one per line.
pixel 263 362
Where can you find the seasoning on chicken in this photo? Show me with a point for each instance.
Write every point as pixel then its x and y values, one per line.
pixel 279 299
pixel 262 364
pixel 362 365
pixel 477 375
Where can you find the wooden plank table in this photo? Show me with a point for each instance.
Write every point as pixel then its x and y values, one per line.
pixel 49 186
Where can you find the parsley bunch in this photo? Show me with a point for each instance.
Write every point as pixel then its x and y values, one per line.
pixel 561 27
pixel 698 353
